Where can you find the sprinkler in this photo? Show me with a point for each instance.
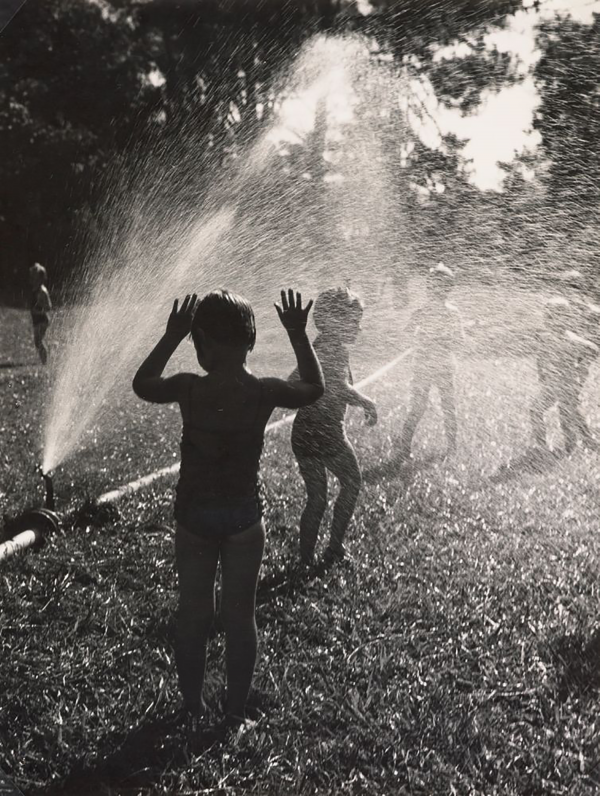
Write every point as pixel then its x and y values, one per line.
pixel 49 487
pixel 31 528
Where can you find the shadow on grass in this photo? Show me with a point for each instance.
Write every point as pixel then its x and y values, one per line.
pixel 535 461
pixel 577 660
pixel 154 746
pixel 291 580
pixel 160 744
pixel 288 581
pixel 397 467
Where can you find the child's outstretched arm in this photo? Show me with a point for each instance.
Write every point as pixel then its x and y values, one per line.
pixel 148 383
pixel 356 398
pixel 309 385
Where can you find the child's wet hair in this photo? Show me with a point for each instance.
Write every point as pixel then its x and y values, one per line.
pixel 226 318
pixel 336 306
pixel 38 270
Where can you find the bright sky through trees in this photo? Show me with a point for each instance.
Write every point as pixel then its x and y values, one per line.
pixel 501 126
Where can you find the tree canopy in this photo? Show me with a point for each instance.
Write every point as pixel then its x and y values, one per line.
pixel 85 84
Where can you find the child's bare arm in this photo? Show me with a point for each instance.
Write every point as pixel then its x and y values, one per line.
pixel 148 383
pixel 356 398
pixel 46 304
pixel 309 385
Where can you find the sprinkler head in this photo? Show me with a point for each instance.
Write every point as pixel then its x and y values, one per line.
pixel 49 501
pixel 48 487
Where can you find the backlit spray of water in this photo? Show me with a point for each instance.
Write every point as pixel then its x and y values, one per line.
pixel 308 204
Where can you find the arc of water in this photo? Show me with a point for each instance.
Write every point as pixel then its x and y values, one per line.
pixel 133 486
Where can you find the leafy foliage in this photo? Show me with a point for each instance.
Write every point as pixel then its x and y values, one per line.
pixel 83 84
pixel 71 91
pixel 569 115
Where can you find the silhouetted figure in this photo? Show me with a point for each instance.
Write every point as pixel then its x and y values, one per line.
pixel 40 306
pixel 437 331
pixel 562 364
pixel 217 507
pixel 319 438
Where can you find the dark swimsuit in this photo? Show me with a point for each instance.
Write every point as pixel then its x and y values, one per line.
pixel 218 493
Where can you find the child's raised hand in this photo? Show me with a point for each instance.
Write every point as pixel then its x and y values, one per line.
pixel 370 412
pixel 180 320
pixel 291 313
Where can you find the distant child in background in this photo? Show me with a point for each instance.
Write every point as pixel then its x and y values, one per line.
pixel 584 313
pixel 437 331
pixel 319 438
pixel 562 363
pixel 217 506
pixel 40 306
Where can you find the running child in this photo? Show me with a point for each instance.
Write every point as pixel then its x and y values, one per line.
pixel 562 364
pixel 40 305
pixel 437 331
pixel 217 506
pixel 319 438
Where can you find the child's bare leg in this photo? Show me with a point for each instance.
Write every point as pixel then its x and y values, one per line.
pixel 446 390
pixel 572 422
pixel 39 331
pixel 346 469
pixel 314 474
pixel 418 407
pixel 196 561
pixel 541 403
pixel 586 435
pixel 565 414
pixel 241 557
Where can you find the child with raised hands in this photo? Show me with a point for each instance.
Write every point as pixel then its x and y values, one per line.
pixel 319 438
pixel 217 506
pixel 437 331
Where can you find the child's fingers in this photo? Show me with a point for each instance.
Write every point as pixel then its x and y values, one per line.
pixel 175 305
pixel 284 301
pixel 279 310
pixel 308 307
pixel 291 299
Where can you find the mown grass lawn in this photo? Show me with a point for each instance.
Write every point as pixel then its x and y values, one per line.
pixel 458 653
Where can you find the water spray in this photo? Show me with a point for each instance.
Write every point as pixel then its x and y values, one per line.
pixel 31 529
pixel 146 480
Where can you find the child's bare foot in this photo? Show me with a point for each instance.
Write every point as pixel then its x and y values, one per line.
pixel 334 555
pixel 231 724
pixel 402 458
pixel 302 569
pixel 194 720
pixel 191 713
